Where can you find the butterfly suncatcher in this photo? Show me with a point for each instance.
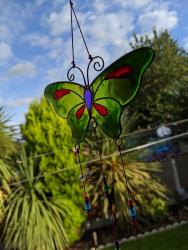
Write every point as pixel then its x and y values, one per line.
pixel 100 103
pixel 102 100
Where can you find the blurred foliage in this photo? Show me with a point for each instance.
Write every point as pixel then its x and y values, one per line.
pixel 163 96
pixel 7 147
pixel 32 219
pixel 48 137
pixel 6 174
pixel 148 193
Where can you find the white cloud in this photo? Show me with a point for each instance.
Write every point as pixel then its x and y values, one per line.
pixel 37 39
pixel 55 74
pixel 13 15
pixel 110 28
pixel 161 19
pixel 26 69
pixel 101 6
pixel 18 102
pixel 5 51
pixel 59 22
pixel 39 2
pixel 57 48
pixel 134 3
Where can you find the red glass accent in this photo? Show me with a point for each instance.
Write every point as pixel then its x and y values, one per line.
pixel 101 109
pixel 134 223
pixel 58 94
pixel 86 198
pixel 80 112
pixel 130 202
pixel 121 72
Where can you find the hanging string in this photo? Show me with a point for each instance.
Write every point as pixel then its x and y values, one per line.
pixel 77 151
pixel 94 126
pixel 87 204
pixel 106 186
pixel 108 191
pixel 119 144
pixel 131 208
pixel 72 35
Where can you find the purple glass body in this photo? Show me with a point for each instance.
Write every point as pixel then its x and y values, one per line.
pixel 88 99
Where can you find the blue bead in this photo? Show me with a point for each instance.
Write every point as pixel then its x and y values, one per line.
pixel 87 206
pixel 132 212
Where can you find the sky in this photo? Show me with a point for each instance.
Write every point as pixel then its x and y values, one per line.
pixel 35 40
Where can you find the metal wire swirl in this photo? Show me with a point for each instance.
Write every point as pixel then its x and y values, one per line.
pixel 98 65
pixel 97 61
pixel 71 75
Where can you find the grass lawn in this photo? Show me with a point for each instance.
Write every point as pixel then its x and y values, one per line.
pixel 174 239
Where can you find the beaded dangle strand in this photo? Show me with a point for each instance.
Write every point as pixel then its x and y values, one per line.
pixel 87 204
pixel 131 208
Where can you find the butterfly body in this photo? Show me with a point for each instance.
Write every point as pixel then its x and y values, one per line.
pixel 104 99
pixel 88 99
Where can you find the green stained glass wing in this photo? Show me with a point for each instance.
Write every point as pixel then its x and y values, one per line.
pixel 107 113
pixel 122 79
pixel 64 96
pixel 78 119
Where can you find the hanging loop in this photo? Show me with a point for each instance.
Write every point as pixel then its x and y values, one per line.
pixel 93 123
pixel 118 142
pixel 77 147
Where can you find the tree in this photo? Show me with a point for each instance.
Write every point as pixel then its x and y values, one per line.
pixel 163 95
pixel 48 136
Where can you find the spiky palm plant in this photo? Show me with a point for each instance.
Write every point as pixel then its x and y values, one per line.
pixel 6 174
pixel 7 146
pixel 148 193
pixel 33 221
